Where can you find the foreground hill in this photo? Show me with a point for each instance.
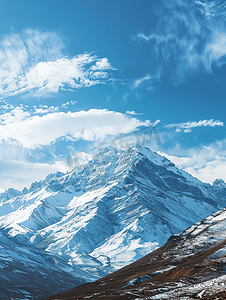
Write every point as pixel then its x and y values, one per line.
pixel 80 226
pixel 191 265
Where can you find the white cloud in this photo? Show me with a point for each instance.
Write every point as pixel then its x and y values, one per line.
pixel 210 172
pixel 133 113
pixel 73 102
pixel 46 110
pixel 102 64
pixel 180 162
pixel 189 37
pixel 15 115
pixel 33 62
pixel 206 163
pixel 186 126
pixel 19 173
pixel 31 131
pixel 66 104
pixel 156 122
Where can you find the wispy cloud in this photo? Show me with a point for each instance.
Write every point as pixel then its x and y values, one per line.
pixel 148 80
pixel 212 8
pixel 187 39
pixel 187 126
pixel 125 97
pixel 108 98
pixel 140 81
pixel 34 62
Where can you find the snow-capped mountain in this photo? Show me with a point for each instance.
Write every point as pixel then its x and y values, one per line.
pixel 86 224
pixel 191 265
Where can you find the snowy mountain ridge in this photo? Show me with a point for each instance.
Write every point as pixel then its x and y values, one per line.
pixel 120 207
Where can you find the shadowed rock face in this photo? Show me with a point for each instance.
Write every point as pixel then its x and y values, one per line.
pixel 80 226
pixel 191 265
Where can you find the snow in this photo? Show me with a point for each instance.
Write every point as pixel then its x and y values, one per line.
pixel 121 206
pixel 209 287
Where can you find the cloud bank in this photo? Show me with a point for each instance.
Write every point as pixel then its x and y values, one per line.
pixel 31 131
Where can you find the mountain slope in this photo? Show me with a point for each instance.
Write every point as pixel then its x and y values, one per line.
pixel 191 265
pixel 28 273
pixel 120 207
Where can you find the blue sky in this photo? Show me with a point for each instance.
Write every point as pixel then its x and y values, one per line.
pixel 75 74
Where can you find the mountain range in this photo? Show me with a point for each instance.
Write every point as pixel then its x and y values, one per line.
pixel 79 226
pixel 191 265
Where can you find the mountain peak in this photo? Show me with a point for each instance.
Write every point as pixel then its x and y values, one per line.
pixel 219 183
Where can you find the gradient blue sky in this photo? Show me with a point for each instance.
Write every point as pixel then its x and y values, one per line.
pixel 76 73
